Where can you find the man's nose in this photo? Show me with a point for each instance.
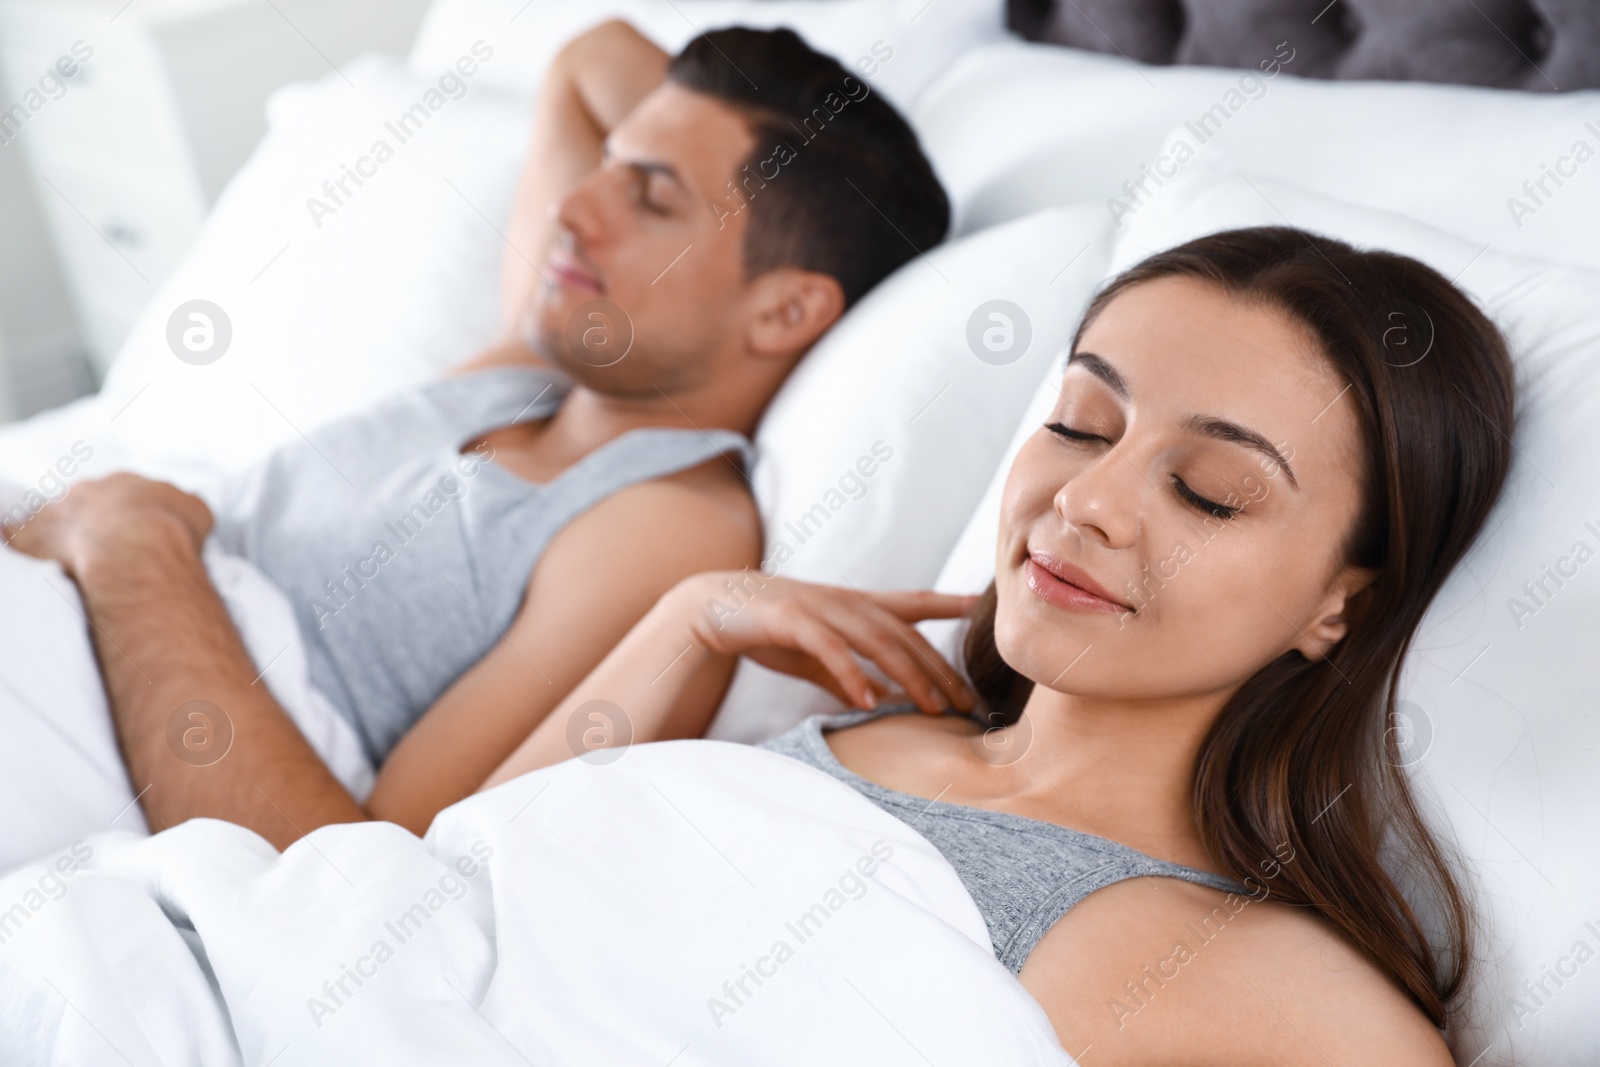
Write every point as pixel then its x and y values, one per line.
pixel 582 211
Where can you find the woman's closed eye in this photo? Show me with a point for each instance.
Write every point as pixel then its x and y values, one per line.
pixel 1061 429
pixel 1187 495
pixel 1210 507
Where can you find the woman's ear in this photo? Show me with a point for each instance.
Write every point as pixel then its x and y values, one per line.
pixel 1343 607
pixel 792 309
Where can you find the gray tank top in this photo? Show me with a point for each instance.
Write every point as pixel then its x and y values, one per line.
pixel 406 559
pixel 1023 873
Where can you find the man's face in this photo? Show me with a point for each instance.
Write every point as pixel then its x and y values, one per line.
pixel 646 282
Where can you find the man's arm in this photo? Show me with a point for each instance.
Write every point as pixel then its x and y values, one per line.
pixel 164 638
pixel 598 578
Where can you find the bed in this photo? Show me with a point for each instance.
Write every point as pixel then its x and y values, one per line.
pixel 1073 138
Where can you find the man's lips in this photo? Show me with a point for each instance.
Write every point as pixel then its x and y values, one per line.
pixel 568 272
pixel 1067 586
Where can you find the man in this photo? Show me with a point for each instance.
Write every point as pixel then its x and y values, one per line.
pixel 685 228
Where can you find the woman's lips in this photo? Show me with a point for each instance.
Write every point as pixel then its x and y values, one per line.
pixel 1048 577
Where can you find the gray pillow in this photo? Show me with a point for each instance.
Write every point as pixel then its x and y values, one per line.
pixel 1543 45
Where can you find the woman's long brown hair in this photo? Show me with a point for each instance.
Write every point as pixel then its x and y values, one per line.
pixel 1303 753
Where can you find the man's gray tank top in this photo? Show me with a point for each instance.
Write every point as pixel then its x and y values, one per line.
pixel 406 559
pixel 1023 873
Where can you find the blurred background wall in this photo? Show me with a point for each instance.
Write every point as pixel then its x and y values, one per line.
pixel 121 121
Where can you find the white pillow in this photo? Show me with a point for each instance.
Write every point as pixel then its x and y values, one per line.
pixel 897 389
pixel 1014 127
pixel 402 280
pixel 900 45
pixel 328 312
pixel 1501 701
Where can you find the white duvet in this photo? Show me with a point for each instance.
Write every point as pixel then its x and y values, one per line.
pixel 689 903
pixel 693 902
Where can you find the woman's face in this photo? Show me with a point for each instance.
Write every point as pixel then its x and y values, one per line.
pixel 1201 466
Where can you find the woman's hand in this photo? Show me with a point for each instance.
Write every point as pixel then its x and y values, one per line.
pixel 815 632
pixel 811 631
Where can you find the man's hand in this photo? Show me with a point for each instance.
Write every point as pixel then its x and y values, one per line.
pixel 112 513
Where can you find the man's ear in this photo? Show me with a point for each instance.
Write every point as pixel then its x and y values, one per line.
pixel 792 309
pixel 1344 606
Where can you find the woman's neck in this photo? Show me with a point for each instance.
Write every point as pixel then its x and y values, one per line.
pixel 1123 768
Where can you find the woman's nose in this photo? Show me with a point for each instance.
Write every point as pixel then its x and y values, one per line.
pixel 1103 501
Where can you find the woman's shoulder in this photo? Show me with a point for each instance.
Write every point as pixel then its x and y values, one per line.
pixel 1307 975
pixel 1148 969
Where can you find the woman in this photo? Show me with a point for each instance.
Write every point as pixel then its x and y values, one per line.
pixel 1268 452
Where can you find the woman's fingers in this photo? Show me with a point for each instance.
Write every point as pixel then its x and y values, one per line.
pixel 816 632
pixel 911 606
pixel 805 666
pixel 947 677
pixel 896 661
pixel 918 604
pixel 825 644
pixel 903 654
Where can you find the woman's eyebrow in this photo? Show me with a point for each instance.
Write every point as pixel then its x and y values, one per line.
pixel 1098 367
pixel 1205 425
pixel 1223 430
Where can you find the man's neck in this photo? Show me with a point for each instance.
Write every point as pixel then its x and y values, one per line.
pixel 588 419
